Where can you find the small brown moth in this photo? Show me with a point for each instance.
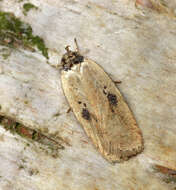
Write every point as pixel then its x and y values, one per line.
pixel 100 108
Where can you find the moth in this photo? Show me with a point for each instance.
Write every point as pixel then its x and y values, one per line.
pixel 100 107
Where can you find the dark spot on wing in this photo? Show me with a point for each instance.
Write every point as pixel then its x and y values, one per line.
pixel 85 105
pixel 112 99
pixel 85 114
pixel 79 102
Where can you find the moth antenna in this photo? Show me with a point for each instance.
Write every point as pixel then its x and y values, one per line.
pixel 77 47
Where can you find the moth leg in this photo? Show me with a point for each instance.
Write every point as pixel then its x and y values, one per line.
pixel 69 110
pixel 58 66
pixel 117 81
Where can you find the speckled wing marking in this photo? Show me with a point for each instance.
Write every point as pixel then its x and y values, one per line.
pixel 100 108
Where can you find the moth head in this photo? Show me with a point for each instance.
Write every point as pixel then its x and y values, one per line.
pixel 71 58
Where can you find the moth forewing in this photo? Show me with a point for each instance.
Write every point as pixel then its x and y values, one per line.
pixel 100 108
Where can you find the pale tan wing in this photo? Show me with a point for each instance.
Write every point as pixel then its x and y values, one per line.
pixel 100 108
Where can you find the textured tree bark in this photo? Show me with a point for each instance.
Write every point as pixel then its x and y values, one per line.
pixel 42 146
